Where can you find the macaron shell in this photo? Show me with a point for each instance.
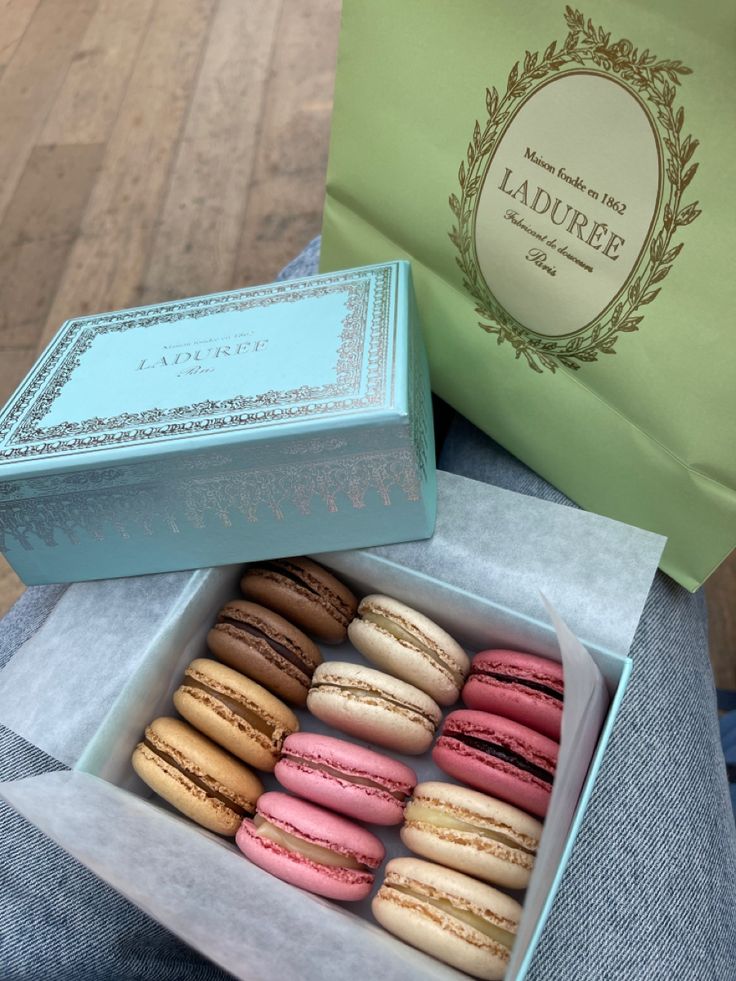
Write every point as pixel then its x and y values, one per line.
pixel 257 658
pixel 217 719
pixel 189 761
pixel 318 827
pixel 343 777
pixel 166 782
pixel 373 706
pixel 323 609
pixel 418 921
pixel 517 700
pixel 489 774
pixel 491 840
pixel 403 661
pixel 346 885
pixel 322 827
pixel 191 747
pixel 432 659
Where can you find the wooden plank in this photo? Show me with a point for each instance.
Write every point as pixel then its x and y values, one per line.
pixel 720 591
pixel 285 199
pixel 15 16
pixel 195 247
pixel 36 237
pixel 11 588
pixel 15 363
pixel 107 262
pixel 32 79
pixel 93 90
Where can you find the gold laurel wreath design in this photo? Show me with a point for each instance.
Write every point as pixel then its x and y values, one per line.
pixel 655 80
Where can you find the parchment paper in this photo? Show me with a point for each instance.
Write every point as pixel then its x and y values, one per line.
pixel 300 937
pixel 133 844
pixel 496 543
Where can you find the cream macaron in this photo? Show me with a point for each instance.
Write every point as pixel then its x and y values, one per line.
pixel 235 712
pixel 410 646
pixel 374 706
pixel 195 776
pixel 459 920
pixel 471 832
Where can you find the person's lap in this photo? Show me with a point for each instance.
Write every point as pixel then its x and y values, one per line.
pixel 650 890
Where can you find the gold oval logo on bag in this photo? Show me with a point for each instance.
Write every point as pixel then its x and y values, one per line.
pixel 571 195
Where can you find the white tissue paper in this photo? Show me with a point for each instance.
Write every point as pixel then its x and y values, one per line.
pixel 108 819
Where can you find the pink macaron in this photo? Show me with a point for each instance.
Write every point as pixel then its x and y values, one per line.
pixel 523 687
pixel 344 777
pixel 310 847
pixel 500 757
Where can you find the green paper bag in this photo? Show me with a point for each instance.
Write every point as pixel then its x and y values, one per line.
pixel 563 182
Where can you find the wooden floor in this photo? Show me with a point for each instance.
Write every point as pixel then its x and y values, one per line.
pixel 152 149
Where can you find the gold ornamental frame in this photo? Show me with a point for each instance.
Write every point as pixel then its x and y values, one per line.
pixel 653 82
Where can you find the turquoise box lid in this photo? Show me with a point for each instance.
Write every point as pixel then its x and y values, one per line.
pixel 287 418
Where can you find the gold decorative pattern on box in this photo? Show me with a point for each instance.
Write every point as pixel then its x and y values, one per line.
pixel 587 50
pixel 360 383
pixel 94 508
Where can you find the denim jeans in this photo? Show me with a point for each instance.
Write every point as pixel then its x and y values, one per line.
pixel 650 890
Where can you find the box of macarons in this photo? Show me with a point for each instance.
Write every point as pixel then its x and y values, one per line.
pixel 367 762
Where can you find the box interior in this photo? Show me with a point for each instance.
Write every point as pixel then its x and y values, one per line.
pixel 475 622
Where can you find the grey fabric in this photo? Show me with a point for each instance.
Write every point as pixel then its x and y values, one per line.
pixel 650 891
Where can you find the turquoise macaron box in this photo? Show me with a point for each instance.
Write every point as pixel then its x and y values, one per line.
pixel 479 578
pixel 293 417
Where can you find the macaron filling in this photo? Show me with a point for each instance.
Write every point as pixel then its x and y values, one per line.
pixel 453 906
pixel 315 853
pixel 288 655
pixel 515 680
pixel 420 814
pixel 240 807
pixel 352 778
pixel 502 753
pixel 376 694
pixel 405 636
pixel 238 708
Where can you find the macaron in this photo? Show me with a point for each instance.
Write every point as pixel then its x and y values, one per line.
pixel 500 757
pixel 195 776
pixel 523 687
pixel 260 643
pixel 371 705
pixel 458 920
pixel 235 712
pixel 347 778
pixel 410 646
pixel 311 848
pixel 471 832
pixel 305 593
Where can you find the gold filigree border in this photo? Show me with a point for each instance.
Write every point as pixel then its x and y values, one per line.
pixel 653 80
pixel 382 478
pixel 30 439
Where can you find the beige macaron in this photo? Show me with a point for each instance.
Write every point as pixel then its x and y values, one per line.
pixel 461 921
pixel 235 712
pixel 374 706
pixel 410 646
pixel 469 831
pixel 195 776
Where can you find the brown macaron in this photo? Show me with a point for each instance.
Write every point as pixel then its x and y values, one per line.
pixel 195 776
pixel 235 712
pixel 305 593
pixel 266 647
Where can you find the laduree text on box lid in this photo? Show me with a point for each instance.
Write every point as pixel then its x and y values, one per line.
pixel 273 420
pixel 150 380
